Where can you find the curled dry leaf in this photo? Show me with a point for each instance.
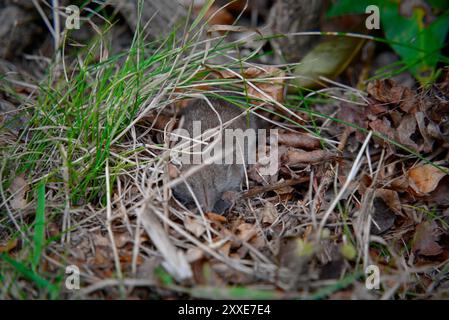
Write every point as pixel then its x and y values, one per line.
pixel 388 91
pixel 424 179
pixel 425 239
pixel 353 114
pixel 294 157
pixel 298 140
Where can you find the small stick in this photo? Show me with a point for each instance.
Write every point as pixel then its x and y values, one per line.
pixel 255 191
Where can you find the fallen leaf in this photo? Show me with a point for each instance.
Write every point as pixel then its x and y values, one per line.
pixel 18 189
pixel 424 179
pixel 440 195
pixel 267 82
pixel 427 132
pixel 382 126
pixel 354 114
pixel 425 239
pixel 194 226
pixel 405 130
pixel 127 258
pixel 245 231
pixel 388 91
pixel 383 218
pixel 391 199
pixel 272 87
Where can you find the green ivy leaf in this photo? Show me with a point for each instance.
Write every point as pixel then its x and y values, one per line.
pixel 417 43
pixel 422 43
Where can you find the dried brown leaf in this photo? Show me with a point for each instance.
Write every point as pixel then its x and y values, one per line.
pixel 391 198
pixel 440 195
pixel 425 239
pixel 18 188
pixel 383 126
pixel 383 217
pixel 194 226
pixel 388 91
pixel 425 179
pixel 405 130
pixel 245 231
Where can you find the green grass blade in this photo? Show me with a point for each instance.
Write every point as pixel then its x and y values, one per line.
pixel 27 273
pixel 340 285
pixel 202 13
pixel 39 225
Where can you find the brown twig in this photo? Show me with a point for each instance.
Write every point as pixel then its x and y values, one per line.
pixel 257 190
